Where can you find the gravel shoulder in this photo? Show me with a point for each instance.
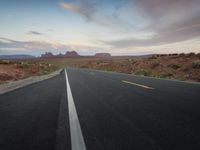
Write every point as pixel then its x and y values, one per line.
pixel 12 85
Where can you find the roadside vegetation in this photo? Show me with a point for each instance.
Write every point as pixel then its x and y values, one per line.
pixel 11 70
pixel 172 66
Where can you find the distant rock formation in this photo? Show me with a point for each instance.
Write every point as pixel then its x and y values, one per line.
pixel 16 57
pixel 67 54
pixel 71 54
pixel 47 55
pixel 102 55
pixel 60 55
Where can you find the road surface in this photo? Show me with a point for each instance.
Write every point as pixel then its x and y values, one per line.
pixel 95 110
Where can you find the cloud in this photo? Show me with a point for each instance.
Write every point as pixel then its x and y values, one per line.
pixel 30 45
pixel 184 30
pixel 92 12
pixel 50 30
pixel 85 8
pixel 156 9
pixel 13 49
pixel 42 46
pixel 170 22
pixel 34 33
pixel 9 43
pixel 138 23
pixel 159 17
pixel 7 40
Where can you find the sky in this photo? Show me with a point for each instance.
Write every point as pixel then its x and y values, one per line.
pixel 119 27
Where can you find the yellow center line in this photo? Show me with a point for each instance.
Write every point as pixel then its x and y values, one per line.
pixel 140 85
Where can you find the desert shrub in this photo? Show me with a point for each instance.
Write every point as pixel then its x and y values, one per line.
pixel 182 54
pixel 154 65
pixel 130 60
pixel 196 64
pixel 4 62
pixel 158 55
pixel 184 77
pixel 164 55
pixel 190 54
pixel 153 57
pixel 143 72
pixel 46 70
pixel 108 69
pixel 23 65
pixel 161 55
pixel 134 61
pixel 174 54
pixel 165 75
pixel 99 62
pixel 174 66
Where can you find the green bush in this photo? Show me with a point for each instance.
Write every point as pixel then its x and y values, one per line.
pixel 190 54
pixel 165 75
pixel 183 78
pixel 23 65
pixel 182 54
pixel 196 64
pixel 143 72
pixel 153 57
pixel 4 62
pixel 174 66
pixel 154 65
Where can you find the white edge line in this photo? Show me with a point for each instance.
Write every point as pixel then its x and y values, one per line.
pixel 77 140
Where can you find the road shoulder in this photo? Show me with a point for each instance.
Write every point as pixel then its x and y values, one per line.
pixel 7 87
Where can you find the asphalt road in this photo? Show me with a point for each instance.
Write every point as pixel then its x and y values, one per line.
pixel 112 111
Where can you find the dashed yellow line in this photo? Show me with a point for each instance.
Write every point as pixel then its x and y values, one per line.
pixel 140 85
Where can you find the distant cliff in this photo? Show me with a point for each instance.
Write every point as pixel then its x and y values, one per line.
pixel 67 54
pixel 71 54
pixel 102 55
pixel 16 57
pixel 47 55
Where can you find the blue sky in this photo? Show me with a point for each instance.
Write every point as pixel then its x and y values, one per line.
pixel 120 27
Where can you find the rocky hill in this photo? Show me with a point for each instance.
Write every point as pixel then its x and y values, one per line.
pixel 102 55
pixel 67 54
pixel 71 54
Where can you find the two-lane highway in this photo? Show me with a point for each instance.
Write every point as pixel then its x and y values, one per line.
pixel 106 111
